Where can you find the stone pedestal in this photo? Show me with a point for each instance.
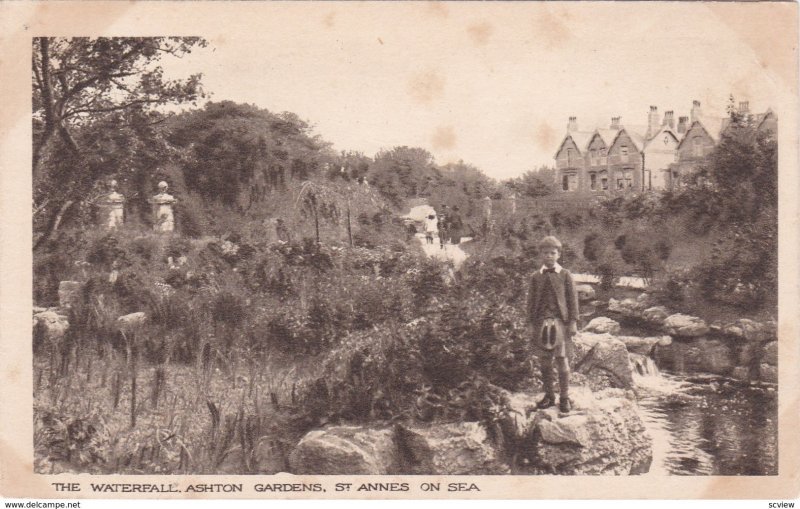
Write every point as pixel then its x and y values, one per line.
pixel 112 208
pixel 163 215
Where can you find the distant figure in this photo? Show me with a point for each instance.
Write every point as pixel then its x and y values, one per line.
pixel 444 217
pixel 455 226
pixel 431 228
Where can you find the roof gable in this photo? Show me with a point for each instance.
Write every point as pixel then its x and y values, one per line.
pixel 581 139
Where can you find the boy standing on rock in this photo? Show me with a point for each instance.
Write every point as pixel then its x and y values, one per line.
pixel 553 315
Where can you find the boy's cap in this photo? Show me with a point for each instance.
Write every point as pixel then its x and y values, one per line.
pixel 550 241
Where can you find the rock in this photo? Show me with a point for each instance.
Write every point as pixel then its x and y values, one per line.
pixel 699 355
pixel 345 450
pixel 644 345
pixel 585 292
pixel 655 315
pixel 748 330
pixel 521 405
pixel 602 435
pixel 462 448
pixel 603 359
pixel 629 308
pixel 53 325
pixel 131 321
pixel 69 293
pixel 685 326
pixel 602 325
pixel 768 373
pixel 747 354
pixel 741 373
pixel 770 355
pixel 715 356
pixel 38 309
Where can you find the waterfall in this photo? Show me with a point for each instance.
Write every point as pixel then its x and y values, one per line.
pixel 643 365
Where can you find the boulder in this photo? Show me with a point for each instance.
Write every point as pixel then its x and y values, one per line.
pixel 461 448
pixel 770 355
pixel 629 308
pixel 585 292
pixel 603 434
pixel 602 325
pixel 131 321
pixel 715 356
pixel 768 373
pixel 655 315
pixel 699 355
pixel 741 373
pixel 748 353
pixel 685 326
pixel 52 324
pixel 644 345
pixel 603 359
pixel 748 330
pixel 345 450
pixel 69 293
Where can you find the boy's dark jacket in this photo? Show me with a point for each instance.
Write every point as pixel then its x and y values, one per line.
pixel 566 295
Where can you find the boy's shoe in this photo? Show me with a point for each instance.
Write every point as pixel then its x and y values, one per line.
pixel 564 405
pixel 546 402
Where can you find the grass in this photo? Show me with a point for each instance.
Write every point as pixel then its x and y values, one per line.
pixel 188 420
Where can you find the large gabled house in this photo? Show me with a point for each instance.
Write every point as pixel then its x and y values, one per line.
pixel 651 156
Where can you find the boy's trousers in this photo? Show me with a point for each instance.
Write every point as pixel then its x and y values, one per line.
pixel 552 343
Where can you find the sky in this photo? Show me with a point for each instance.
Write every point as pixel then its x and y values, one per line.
pixel 491 84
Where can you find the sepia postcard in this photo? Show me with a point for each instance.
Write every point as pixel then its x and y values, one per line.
pixel 382 250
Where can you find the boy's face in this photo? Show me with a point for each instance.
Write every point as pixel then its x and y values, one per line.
pixel 549 256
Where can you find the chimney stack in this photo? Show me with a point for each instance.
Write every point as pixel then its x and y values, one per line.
pixel 669 119
pixel 696 111
pixel 572 126
pixel 682 121
pixel 652 121
pixel 744 107
pixel 615 123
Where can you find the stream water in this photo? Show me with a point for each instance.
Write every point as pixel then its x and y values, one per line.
pixel 704 425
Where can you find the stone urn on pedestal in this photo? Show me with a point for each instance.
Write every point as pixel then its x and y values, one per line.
pixel 163 215
pixel 112 208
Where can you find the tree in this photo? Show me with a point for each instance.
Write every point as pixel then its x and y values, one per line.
pixel 403 172
pixel 533 183
pixel 80 81
pixel 239 152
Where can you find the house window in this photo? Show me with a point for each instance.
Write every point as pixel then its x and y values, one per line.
pixel 620 183
pixel 623 154
pixel 593 181
pixel 698 147
pixel 603 159
pixel 594 157
pixel 604 181
pixel 628 179
pixel 565 183
pixel 569 157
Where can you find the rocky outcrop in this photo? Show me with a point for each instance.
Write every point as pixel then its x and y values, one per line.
pixel 655 315
pixel 131 321
pixel 586 293
pixel 340 450
pixel 69 293
pixel 748 330
pixel 768 373
pixel 602 325
pixel 699 355
pixel 628 308
pixel 685 326
pixel 644 345
pixel 603 359
pixel 52 325
pixel 602 435
pixel 449 449
pixel 770 355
